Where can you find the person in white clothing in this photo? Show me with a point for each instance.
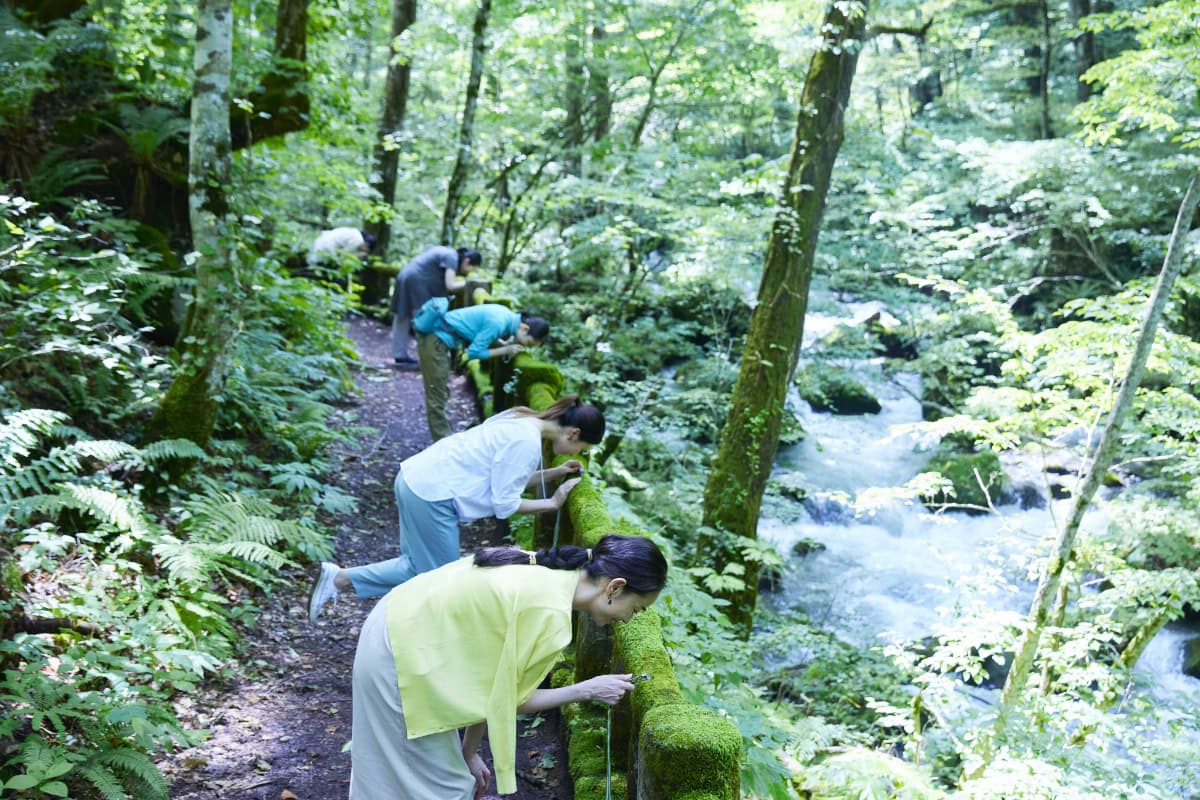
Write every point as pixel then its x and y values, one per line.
pixel 331 244
pixel 477 473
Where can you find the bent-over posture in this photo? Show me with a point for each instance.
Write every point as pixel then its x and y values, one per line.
pixel 466 646
pixel 478 473
pixel 479 329
pixel 435 272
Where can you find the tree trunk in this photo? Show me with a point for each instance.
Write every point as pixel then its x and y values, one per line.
pixel 598 88
pixel 1084 46
pixel 395 103
pixel 1044 72
pixel 573 99
pixel 750 438
pixel 1040 610
pixel 279 102
pixel 189 408
pixel 458 178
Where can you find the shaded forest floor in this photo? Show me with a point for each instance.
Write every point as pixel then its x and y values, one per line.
pixel 280 719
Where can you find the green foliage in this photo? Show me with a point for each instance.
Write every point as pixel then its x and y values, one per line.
pixel 65 341
pixel 1151 87
pixel 158 567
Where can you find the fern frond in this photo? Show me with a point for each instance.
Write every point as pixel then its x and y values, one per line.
pixel 172 449
pixel 121 512
pixel 105 781
pixel 138 766
pixel 21 431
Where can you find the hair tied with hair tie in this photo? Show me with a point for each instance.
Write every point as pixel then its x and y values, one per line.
pixel 533 559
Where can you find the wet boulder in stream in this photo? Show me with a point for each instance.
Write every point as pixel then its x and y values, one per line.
pixel 829 388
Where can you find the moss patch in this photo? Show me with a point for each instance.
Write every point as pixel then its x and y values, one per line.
pixel 828 388
pixel 960 469
pixel 688 749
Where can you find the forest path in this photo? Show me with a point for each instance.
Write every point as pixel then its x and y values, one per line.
pixel 281 720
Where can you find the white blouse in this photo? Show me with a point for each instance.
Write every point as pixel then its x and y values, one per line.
pixel 482 469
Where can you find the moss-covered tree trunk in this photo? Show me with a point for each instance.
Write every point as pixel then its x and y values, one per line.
pixel 466 131
pixel 189 408
pixel 746 450
pixel 395 103
pixel 1042 606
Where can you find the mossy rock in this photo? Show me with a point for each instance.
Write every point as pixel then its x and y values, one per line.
pixel 960 468
pixel 791 431
pixel 789 485
pixel 1191 657
pixel 806 547
pixel 688 751
pixel 829 388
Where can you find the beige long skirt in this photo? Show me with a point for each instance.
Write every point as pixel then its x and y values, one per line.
pixel 386 764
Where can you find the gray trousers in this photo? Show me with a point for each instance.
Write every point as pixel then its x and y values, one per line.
pixel 385 763
pixel 400 337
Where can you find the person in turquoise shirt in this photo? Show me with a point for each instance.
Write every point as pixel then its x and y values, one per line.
pixel 467 646
pixel 478 328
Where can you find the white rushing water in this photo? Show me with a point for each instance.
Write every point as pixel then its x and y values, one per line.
pixel 890 571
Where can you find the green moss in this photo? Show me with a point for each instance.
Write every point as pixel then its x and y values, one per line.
pixel 828 388
pixel 960 469
pixel 685 748
pixel 640 648
pixel 482 381
pixel 586 761
pixel 527 373
pixel 588 514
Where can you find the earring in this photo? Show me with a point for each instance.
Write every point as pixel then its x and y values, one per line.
pixel 610 599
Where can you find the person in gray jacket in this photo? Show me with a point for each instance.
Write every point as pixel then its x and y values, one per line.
pixel 436 271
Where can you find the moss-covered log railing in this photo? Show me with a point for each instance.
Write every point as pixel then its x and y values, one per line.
pixel 663 748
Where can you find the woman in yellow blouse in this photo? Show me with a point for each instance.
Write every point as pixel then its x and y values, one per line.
pixel 466 646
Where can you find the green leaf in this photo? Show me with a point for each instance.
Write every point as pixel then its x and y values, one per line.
pixel 56 788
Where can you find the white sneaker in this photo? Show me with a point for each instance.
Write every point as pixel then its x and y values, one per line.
pixel 323 590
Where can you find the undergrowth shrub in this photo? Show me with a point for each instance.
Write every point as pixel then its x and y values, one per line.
pixel 122 583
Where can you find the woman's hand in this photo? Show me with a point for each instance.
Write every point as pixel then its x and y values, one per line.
pixel 607 689
pixel 563 491
pixel 572 467
pixel 480 771
pixel 512 349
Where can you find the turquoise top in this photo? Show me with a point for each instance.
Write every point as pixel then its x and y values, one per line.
pixel 478 327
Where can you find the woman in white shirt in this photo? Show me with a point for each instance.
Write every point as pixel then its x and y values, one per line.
pixel 477 473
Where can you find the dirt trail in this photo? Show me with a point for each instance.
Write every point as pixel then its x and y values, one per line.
pixel 282 721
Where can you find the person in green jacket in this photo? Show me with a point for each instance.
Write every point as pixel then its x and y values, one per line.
pixel 466 646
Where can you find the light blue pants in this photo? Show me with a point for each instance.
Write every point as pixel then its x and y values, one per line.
pixel 428 539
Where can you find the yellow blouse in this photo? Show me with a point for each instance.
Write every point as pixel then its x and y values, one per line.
pixel 473 643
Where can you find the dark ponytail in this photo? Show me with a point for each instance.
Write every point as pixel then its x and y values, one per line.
pixel 538 328
pixel 634 558
pixel 569 412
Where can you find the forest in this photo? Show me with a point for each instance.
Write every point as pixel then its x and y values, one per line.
pixel 893 309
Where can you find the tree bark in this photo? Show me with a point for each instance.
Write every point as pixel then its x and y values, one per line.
pixel 1084 46
pixel 598 87
pixel 750 438
pixel 391 121
pixel 1101 458
pixel 573 96
pixel 189 408
pixel 1044 72
pixel 458 178
pixel 279 103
